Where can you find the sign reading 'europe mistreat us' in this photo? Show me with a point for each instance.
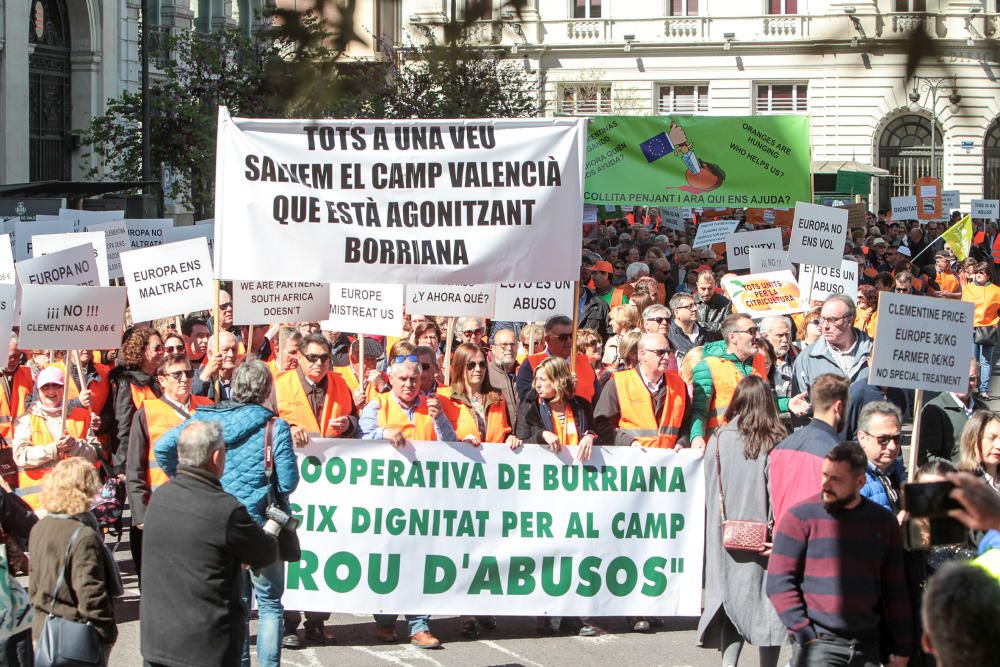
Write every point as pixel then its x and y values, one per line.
pixel 466 201
pixel 719 161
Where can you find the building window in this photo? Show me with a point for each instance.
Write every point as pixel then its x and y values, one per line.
pixel 478 9
pixel 683 7
pixel 782 6
pixel 683 98
pixel 586 100
pixel 782 98
pixel 910 5
pixel 586 9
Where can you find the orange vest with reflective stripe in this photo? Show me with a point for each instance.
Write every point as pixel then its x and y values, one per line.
pixel 294 406
pixel 465 423
pixel 160 418
pixel 21 385
pixel 584 373
pixel 29 480
pixel 346 373
pixel 390 415
pixel 99 391
pixel 635 405
pixel 725 377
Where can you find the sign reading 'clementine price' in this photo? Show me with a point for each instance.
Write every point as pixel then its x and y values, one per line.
pixel 765 294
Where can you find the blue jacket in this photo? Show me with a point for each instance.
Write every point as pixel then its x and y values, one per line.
pixel 873 489
pixel 243 430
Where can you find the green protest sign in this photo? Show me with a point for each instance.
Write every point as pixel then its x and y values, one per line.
pixel 721 161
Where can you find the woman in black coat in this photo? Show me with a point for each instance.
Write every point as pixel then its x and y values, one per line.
pixel 552 415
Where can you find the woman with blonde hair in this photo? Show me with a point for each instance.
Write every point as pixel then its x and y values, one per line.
pixel 623 318
pixel 553 415
pixel 979 446
pixel 73 575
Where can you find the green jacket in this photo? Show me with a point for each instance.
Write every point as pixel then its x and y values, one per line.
pixel 703 387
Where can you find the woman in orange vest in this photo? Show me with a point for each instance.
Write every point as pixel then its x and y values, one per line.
pixel 985 296
pixel 553 414
pixel 474 408
pixel 133 382
pixel 866 318
pixel 42 439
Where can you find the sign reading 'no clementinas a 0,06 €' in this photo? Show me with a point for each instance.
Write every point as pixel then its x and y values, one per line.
pixel 402 202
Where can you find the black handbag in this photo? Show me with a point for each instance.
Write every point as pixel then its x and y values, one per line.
pixel 985 335
pixel 66 643
pixel 289 549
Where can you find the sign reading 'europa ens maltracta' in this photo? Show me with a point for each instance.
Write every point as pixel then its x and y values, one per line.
pixel 447 528
pixel 720 161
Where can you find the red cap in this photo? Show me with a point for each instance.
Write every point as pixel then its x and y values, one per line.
pixel 603 266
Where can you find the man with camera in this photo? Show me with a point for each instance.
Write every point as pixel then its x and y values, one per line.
pixel 194 527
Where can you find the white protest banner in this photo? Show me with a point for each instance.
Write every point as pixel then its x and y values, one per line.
pixel 8 297
pixel 674 218
pixel 6 261
pixel 590 214
pixel 533 302
pixel 710 232
pixel 74 266
pixel 818 234
pixel 986 209
pixel 827 282
pixel 738 246
pixel 146 232
pixel 766 294
pixel 904 208
pixel 116 240
pixel 922 343
pixel 445 528
pixel 168 280
pixel 46 244
pixel 364 200
pixel 765 260
pixel 24 232
pixel 91 216
pixel 452 300
pixel 186 232
pixel 274 302
pixel 951 200
pixel 372 309
pixel 72 317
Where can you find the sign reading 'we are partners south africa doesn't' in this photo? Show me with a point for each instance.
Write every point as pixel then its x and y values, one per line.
pixel 402 202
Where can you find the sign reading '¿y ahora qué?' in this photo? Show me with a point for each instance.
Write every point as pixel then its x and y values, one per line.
pixel 444 528
pixel 468 201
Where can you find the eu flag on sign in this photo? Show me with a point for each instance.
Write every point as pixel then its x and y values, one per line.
pixel 657 147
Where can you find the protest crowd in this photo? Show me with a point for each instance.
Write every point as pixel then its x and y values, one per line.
pixel 183 441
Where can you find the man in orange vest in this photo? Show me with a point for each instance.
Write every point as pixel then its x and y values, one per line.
pixel 946 283
pixel 16 384
pixel 718 373
pixel 400 415
pixel 289 345
pixel 156 416
pixel 601 274
pixel 559 343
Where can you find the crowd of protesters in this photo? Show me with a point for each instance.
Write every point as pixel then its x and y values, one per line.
pixel 793 434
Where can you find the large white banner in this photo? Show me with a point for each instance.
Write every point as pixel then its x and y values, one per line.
pixel 438 528
pixel 414 201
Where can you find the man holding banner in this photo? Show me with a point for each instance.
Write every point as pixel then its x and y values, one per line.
pixel 313 399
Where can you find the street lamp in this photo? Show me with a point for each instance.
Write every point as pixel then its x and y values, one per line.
pixel 926 85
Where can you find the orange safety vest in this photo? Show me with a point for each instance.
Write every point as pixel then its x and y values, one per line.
pixel 567 434
pixel 160 418
pixel 635 405
pixel 617 297
pixel 465 423
pixel 948 282
pixel 272 366
pixel 725 377
pixel 346 373
pixel 294 406
pixel 29 480
pixel 390 415
pixel 99 391
pixel 140 395
pixel 996 250
pixel 584 373
pixel 21 385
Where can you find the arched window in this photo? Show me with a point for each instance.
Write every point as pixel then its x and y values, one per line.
pixel 991 161
pixel 49 117
pixel 904 148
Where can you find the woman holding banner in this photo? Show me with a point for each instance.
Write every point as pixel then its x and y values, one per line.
pixel 985 296
pixel 475 409
pixel 553 415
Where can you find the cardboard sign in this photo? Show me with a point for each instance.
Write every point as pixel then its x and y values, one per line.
pixel 922 343
pixel 46 244
pixel 90 216
pixel 713 231
pixel 74 266
pixel 168 280
pixel 951 200
pixel 986 209
pixel 533 302
pixel 766 260
pixel 777 217
pixel 24 232
pixel 7 275
pixel 738 246
pixel 72 317
pixel 371 309
pixel 116 240
pixel 451 300
pixel 8 312
pixel 186 232
pixel 818 234
pixel 275 302
pixel 857 215
pixel 928 193
pixel 775 293
pixel 904 208
pixel 674 218
pixel 146 232
pixel 819 282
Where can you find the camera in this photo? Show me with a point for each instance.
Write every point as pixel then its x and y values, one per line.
pixel 929 524
pixel 278 520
